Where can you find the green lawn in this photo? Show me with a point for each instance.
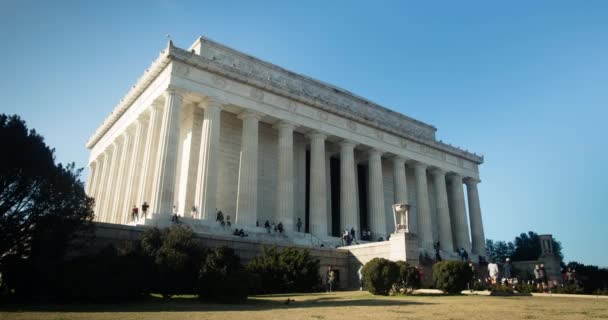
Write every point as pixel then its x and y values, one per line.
pixel 338 305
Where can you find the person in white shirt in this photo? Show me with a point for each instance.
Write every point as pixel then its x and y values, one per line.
pixel 493 271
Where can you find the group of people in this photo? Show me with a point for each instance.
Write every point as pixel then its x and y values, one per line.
pixel 135 211
pixel 239 232
pixel 276 227
pixel 366 235
pixel 219 217
pixel 348 237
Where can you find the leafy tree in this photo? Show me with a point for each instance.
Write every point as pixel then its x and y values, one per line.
pixel 176 258
pixel 499 251
pixel 379 275
pixel 43 206
pixel 452 276
pixel 527 247
pixel 591 278
pixel 286 270
pixel 409 277
pixel 222 277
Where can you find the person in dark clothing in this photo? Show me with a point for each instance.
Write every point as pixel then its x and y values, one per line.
pixel 280 227
pixel 144 209
pixel 299 224
pixel 267 226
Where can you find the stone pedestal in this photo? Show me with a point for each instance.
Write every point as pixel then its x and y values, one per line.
pixel 404 246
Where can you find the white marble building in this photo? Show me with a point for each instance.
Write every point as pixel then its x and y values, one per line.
pixel 211 127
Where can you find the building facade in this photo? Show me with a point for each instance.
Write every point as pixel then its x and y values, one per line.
pixel 211 128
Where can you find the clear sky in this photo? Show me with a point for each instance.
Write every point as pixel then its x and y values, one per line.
pixel 523 82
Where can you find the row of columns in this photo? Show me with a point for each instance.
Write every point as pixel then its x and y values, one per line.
pixel 141 165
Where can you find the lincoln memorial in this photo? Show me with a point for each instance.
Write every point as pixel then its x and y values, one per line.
pixel 210 128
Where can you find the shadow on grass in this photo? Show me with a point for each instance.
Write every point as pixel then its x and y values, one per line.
pixel 192 304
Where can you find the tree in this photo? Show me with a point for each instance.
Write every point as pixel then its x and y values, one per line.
pixel 222 277
pixel 176 257
pixel 527 247
pixel 43 206
pixel 499 251
pixel 285 270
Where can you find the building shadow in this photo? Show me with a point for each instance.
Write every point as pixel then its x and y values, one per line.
pixel 192 304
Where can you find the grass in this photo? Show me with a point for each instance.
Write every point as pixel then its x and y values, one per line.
pixel 326 306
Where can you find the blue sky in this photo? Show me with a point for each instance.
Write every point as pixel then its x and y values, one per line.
pixel 525 83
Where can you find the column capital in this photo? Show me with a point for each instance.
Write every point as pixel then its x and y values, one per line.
pixel 284 125
pixel 438 171
pixel 210 103
pixel 454 176
pixel 174 91
pixel 470 181
pixel 248 114
pixel 375 151
pixel 420 166
pixel 316 135
pixel 399 159
pixel 347 144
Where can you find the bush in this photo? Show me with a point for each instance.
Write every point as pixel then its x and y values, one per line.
pixel 501 290
pixel 409 278
pixel 379 275
pixel 287 270
pixel 222 277
pixel 451 276
pixel 176 258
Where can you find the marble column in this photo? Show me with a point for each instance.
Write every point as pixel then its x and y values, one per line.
pixel 190 153
pixel 285 183
pixel 107 198
pixel 425 229
pixel 247 194
pixel 318 185
pixel 149 157
pixel 400 180
pixel 166 167
pixel 126 146
pixel 92 176
pixel 99 185
pixel 477 234
pixel 443 211
pixel 132 187
pixel 460 226
pixel 377 215
pixel 349 215
pixel 205 196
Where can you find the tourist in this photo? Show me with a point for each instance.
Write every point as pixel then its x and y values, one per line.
pixel 538 277
pixel 236 232
pixel 257 223
pixel 219 217
pixel 242 233
pixel 493 271
pixel 135 213
pixel 228 220
pixel 274 227
pixel 472 281
pixel 437 255
pixel 299 224
pixel 267 226
pixel 353 235
pixel 280 227
pixel 175 218
pixel 360 274
pixel 507 268
pixel 331 277
pixel 543 275
pixel 193 212
pixel 144 209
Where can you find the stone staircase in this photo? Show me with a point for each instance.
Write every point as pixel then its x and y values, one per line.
pixel 257 234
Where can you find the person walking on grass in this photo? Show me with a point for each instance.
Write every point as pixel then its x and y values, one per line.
pixel 331 277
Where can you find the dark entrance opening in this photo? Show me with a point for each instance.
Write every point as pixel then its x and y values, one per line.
pixel 362 185
pixel 334 169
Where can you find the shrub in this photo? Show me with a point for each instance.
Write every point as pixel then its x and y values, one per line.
pixel 501 290
pixel 409 278
pixel 176 258
pixel 379 275
pixel 222 277
pixel 451 276
pixel 286 270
